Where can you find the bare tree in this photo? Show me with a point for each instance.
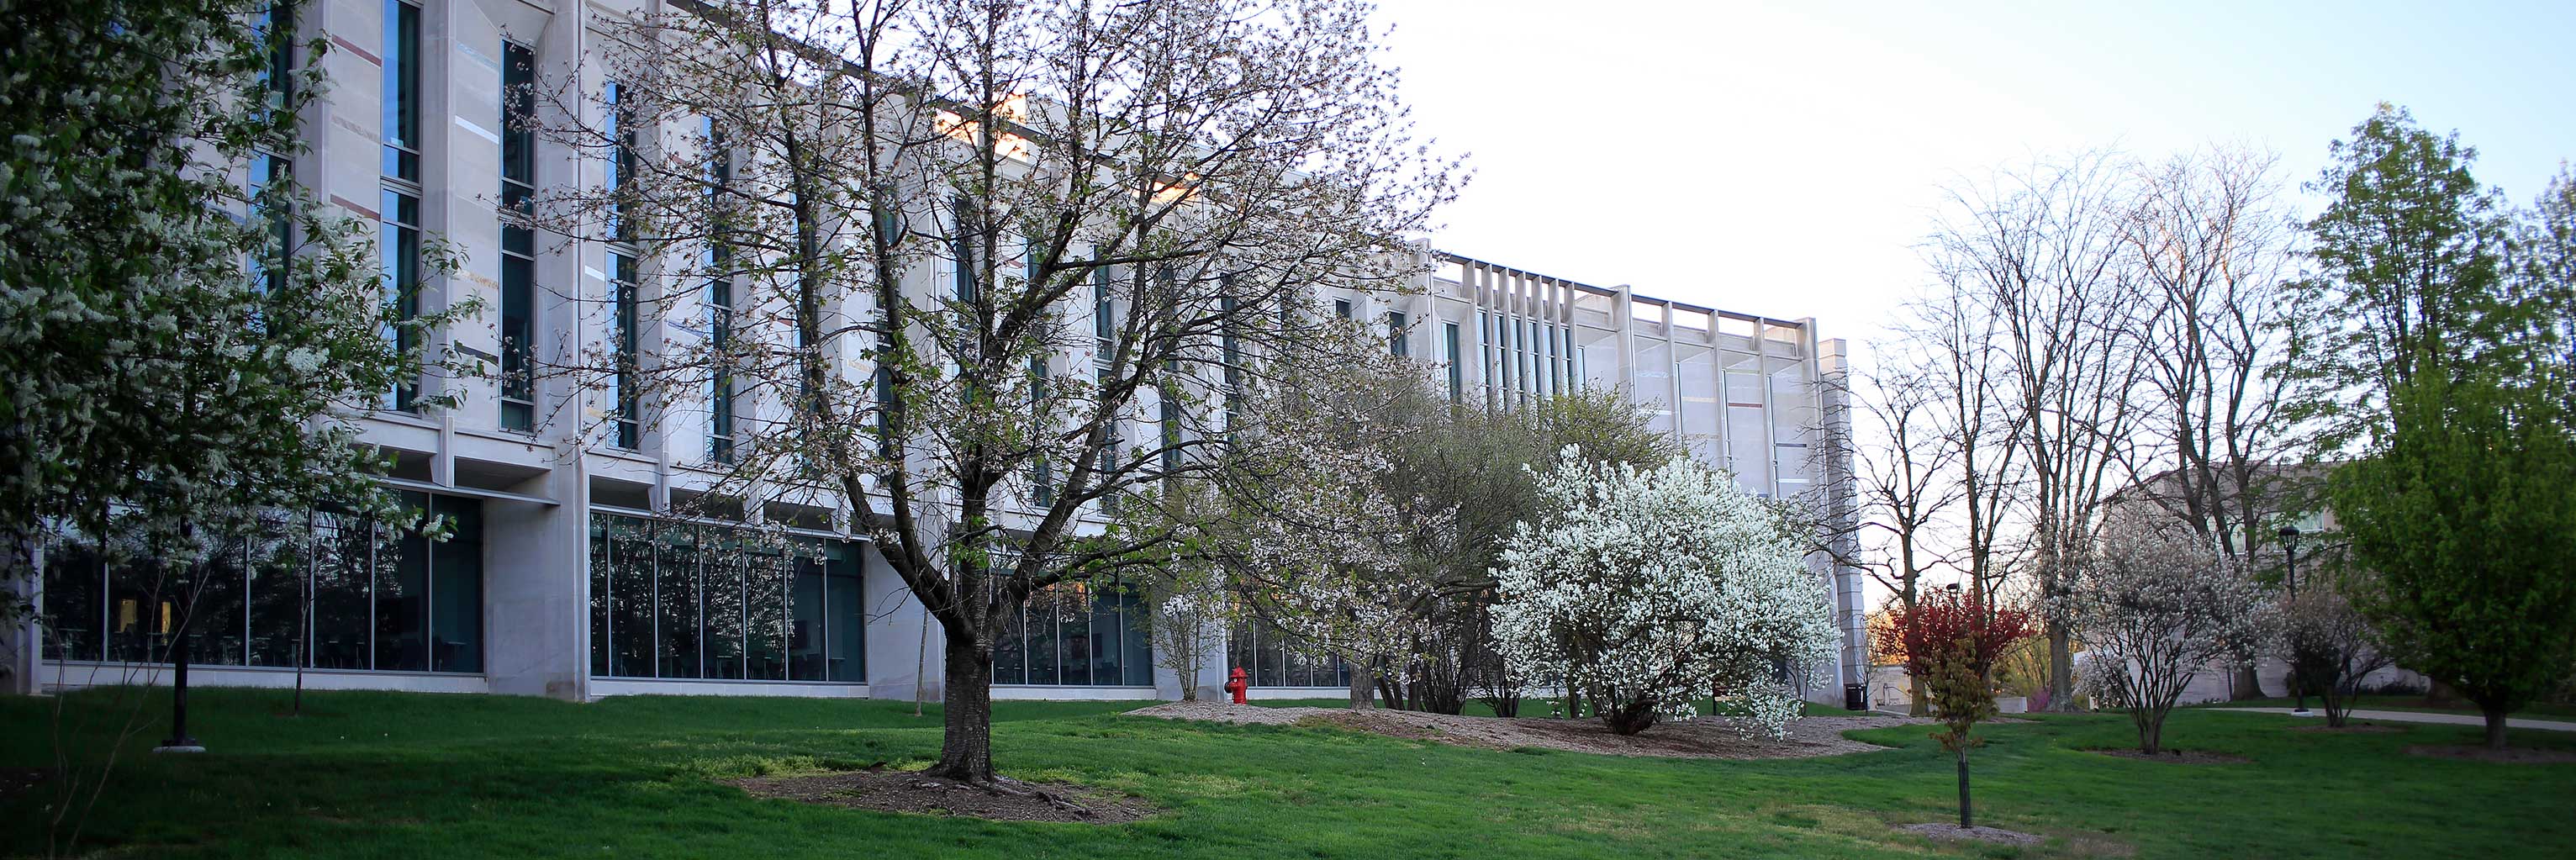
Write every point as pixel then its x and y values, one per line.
pixel 2212 245
pixel 1904 481
pixel 2040 247
pixel 937 259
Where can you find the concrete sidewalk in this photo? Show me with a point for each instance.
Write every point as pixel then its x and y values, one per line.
pixel 2428 717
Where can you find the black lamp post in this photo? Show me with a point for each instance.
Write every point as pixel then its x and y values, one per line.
pixel 2290 546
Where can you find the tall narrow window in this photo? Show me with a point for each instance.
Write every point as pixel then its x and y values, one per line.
pixel 269 174
pixel 1171 423
pixel 1041 471
pixel 1104 316
pixel 623 381
pixel 885 404
pixel 625 375
pixel 518 240
pixel 620 119
pixel 963 249
pixel 1395 341
pixel 1449 350
pixel 398 236
pixel 720 310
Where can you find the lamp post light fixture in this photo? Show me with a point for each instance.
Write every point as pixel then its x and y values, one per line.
pixel 2290 546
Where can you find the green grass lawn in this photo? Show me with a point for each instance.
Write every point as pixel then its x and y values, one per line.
pixel 2535 710
pixel 394 775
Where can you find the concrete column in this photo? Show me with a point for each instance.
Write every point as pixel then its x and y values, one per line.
pixel 904 643
pixel 536 589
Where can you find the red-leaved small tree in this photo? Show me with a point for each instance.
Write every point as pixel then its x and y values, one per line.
pixel 1951 641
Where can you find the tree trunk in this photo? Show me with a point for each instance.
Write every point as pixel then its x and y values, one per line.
pixel 179 689
pixel 1965 819
pixel 2495 727
pixel 1628 718
pixel 1363 687
pixel 2061 680
pixel 1921 706
pixel 2151 733
pixel 2248 685
pixel 966 747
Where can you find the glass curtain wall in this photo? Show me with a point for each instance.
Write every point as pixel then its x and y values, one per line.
pixel 1273 659
pixel 380 598
pixel 1077 634
pixel 695 601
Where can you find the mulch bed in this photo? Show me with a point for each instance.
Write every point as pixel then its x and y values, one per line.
pixel 2512 755
pixel 1956 833
pixel 2174 756
pixel 1695 738
pixel 886 790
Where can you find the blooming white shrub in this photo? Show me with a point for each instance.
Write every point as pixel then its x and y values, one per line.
pixel 1649 588
pixel 2155 605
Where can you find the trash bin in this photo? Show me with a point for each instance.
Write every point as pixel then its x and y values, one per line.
pixel 1855 697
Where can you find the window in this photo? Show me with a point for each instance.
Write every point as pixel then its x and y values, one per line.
pixel 687 601
pixel 381 599
pixel 402 91
pixel 1170 420
pixel 620 169
pixel 719 300
pixel 1041 472
pixel 398 249
pixel 398 236
pixel 518 240
pixel 962 251
pixel 623 382
pixel 1076 634
pixel 1395 341
pixel 1449 350
pixel 1342 308
pixel 1273 659
pixel 625 396
pixel 269 177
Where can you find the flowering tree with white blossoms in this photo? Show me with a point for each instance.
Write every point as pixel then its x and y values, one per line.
pixel 1646 588
pixel 1315 541
pixel 2155 606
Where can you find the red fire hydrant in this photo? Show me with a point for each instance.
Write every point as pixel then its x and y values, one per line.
pixel 1237 683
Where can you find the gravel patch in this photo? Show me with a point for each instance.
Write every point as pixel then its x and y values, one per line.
pixel 1956 833
pixel 1695 738
pixel 1226 712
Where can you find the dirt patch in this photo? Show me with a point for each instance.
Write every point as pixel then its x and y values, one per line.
pixel 2174 756
pixel 1956 833
pixel 2350 729
pixel 2513 755
pixel 908 791
pixel 1694 738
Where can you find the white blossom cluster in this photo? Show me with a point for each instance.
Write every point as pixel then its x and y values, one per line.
pixel 2153 606
pixel 1656 587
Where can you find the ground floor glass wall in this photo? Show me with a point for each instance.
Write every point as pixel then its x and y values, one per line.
pixel 1077 634
pixel 380 597
pixel 1272 659
pixel 690 601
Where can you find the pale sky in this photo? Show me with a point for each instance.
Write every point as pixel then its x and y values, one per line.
pixel 1782 158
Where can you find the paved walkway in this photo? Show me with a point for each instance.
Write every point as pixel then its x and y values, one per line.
pixel 2429 717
